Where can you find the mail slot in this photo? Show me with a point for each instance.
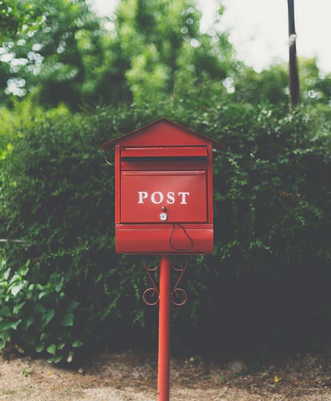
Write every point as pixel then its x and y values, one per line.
pixel 163 190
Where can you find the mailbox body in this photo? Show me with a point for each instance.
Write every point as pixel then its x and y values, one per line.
pixel 163 190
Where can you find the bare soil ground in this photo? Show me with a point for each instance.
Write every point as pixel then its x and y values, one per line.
pixel 131 376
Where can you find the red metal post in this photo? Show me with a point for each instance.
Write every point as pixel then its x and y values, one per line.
pixel 164 328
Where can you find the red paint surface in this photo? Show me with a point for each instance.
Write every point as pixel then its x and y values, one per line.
pixel 154 239
pixel 164 329
pixel 165 151
pixel 182 193
pixel 163 157
pixel 210 193
pixel 162 132
pixel 117 184
pixel 167 164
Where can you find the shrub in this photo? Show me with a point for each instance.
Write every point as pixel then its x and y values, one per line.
pixel 272 210
pixel 36 317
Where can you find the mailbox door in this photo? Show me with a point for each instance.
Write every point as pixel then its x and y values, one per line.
pixel 180 195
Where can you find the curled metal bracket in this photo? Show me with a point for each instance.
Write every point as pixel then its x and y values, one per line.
pixel 178 295
pixel 153 292
pixel 179 292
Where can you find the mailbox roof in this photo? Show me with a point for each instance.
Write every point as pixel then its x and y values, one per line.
pixel 162 132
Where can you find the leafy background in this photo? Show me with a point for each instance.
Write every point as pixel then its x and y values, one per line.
pixel 70 81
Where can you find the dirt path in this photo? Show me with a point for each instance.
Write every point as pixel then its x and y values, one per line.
pixel 132 377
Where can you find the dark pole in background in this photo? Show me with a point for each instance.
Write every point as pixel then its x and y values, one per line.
pixel 293 67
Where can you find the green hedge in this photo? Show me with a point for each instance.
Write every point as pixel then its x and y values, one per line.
pixel 272 215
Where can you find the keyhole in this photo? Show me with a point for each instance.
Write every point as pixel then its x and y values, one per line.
pixel 163 216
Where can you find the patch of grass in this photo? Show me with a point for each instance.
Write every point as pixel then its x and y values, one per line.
pixel 7 391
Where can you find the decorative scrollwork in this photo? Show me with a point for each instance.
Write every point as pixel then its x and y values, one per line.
pixel 178 295
pixel 176 301
pixel 152 292
pixel 176 290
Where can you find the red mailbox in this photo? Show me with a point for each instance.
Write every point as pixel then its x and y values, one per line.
pixel 164 205
pixel 164 190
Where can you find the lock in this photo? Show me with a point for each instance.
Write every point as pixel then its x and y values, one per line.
pixel 163 216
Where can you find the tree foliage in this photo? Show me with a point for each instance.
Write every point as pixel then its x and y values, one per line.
pixel 55 53
pixel 146 51
pixel 164 51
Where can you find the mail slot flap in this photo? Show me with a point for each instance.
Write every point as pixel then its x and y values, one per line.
pixel 172 151
pixel 164 163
